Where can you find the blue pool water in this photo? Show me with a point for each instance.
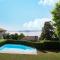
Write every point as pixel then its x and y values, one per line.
pixel 14 48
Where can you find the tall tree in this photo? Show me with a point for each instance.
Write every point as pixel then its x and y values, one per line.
pixel 47 32
pixel 56 18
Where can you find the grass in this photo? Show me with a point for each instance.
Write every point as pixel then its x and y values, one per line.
pixel 2 40
pixel 41 56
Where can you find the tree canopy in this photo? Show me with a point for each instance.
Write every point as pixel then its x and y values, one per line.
pixel 13 36
pixel 56 18
pixel 21 36
pixel 48 32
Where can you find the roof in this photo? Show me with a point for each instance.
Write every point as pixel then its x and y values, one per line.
pixel 30 38
pixel 1 29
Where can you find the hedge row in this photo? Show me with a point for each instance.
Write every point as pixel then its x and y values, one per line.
pixel 39 46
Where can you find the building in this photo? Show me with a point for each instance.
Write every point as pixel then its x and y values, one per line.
pixel 30 38
pixel 2 31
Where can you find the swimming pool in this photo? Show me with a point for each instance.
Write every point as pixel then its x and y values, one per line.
pixel 17 49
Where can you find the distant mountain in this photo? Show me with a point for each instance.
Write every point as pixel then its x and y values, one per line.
pixel 29 30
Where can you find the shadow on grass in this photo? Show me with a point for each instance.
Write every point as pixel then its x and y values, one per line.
pixel 49 50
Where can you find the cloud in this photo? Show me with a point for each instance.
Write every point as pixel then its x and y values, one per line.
pixel 1 26
pixel 47 2
pixel 35 24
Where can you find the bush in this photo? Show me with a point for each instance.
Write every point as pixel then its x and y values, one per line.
pixel 2 43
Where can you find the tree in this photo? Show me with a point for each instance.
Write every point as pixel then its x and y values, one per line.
pixel 42 36
pixel 56 18
pixel 21 36
pixel 14 36
pixel 48 32
pixel 6 36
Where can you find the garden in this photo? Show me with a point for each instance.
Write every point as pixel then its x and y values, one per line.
pixel 48 45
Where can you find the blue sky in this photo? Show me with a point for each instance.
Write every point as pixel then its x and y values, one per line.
pixel 25 14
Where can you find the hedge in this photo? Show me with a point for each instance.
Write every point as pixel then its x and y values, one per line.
pixel 39 46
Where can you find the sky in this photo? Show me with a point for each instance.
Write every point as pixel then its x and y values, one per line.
pixel 25 14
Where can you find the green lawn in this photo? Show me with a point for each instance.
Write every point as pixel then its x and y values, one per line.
pixel 41 56
pixel 2 40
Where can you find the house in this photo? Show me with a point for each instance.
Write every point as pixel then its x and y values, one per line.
pixel 30 38
pixel 2 31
